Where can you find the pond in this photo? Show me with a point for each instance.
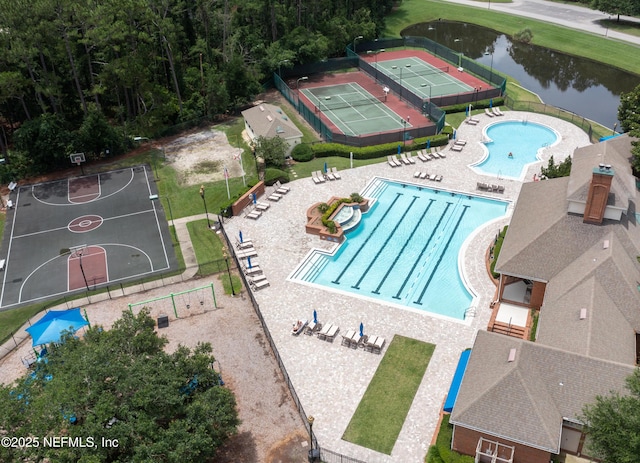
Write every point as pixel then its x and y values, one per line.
pixel 580 85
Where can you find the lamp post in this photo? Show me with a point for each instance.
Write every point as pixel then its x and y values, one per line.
pixel 298 85
pixel 204 201
pixel 314 453
pixel 460 51
pixel 354 43
pixel 280 65
pixel 404 128
pixel 226 261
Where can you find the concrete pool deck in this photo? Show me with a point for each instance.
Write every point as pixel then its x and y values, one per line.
pixel 330 378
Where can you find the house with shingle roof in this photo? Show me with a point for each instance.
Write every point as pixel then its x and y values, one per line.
pixel 270 121
pixel 574 244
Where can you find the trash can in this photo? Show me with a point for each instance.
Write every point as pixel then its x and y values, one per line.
pixel 314 455
pixel 163 321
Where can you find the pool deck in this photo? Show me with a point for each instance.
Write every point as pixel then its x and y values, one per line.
pixel 330 378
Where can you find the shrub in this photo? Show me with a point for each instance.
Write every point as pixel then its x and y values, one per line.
pixel 524 36
pixel 496 251
pixel 272 175
pixel 302 153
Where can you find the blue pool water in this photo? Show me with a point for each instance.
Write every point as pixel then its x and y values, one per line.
pixel 405 249
pixel 522 139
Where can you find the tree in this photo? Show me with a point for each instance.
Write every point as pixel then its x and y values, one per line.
pixel 612 424
pixel 272 150
pixel 120 385
pixel 554 171
pixel 629 117
pixel 617 7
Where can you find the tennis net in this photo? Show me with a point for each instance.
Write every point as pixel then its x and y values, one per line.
pixel 408 73
pixel 324 105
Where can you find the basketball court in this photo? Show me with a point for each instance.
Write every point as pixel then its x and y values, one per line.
pixel 83 233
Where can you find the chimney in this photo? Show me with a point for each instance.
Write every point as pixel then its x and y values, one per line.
pixel 598 194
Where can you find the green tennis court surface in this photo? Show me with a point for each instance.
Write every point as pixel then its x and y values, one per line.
pixel 354 110
pixel 421 78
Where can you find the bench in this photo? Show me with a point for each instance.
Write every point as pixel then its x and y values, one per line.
pixel 2 263
pixel 10 204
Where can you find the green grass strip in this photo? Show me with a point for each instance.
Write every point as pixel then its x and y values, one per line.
pixel 380 415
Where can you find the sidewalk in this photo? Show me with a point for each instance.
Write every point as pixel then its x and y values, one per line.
pixel 570 16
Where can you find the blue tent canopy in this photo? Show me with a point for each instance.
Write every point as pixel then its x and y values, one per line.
pixel 457 380
pixel 50 327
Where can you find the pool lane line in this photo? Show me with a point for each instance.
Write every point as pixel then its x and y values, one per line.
pixel 424 249
pixel 384 245
pixel 337 280
pixel 406 243
pixel 453 232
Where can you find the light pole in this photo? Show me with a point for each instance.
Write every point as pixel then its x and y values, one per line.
pixel 404 128
pixel 226 261
pixel 298 85
pixel 460 51
pixel 313 453
pixel 204 201
pixel 280 65
pixel 354 43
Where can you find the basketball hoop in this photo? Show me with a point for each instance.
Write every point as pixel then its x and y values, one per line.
pixel 78 159
pixel 77 251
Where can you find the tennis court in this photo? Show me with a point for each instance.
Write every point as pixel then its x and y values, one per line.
pixel 83 232
pixel 422 78
pixel 354 110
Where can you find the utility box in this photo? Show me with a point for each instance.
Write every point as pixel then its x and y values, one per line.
pixel 163 321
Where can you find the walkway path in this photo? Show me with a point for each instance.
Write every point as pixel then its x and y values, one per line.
pixel 571 16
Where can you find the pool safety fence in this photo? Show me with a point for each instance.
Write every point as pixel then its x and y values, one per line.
pixel 543 108
pixel 326 455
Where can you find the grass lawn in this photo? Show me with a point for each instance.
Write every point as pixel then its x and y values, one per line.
pixel 210 254
pixel 612 52
pixel 441 452
pixel 380 415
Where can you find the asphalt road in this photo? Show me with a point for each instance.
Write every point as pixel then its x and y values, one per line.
pixel 572 16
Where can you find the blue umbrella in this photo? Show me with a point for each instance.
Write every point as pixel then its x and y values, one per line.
pixel 491 103
pixel 399 148
pixel 315 316
pixel 361 329
pixel 428 143
pixel 255 198
pixel 466 111
pixel 454 134
pixel 50 327
pixel 325 167
pixel 240 235
pixel 249 262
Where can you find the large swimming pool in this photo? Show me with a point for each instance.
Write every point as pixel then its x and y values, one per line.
pixel 522 139
pixel 406 248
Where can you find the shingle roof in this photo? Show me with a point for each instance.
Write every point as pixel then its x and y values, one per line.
pixel 526 400
pixel 270 121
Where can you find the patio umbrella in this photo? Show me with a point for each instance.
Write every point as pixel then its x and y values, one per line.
pixel 315 316
pixel 50 327
pixel 325 167
pixel 240 235
pixel 361 329
pixel 255 198
pixel 399 149
pixel 428 143
pixel 249 262
pixel 466 111
pixel 491 103
pixel 454 134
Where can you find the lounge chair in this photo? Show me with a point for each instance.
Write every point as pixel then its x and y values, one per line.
pixel 438 178
pixel 435 154
pixel 410 158
pixel 323 332
pixel 346 338
pixel 255 215
pixel 331 334
pixel 254 270
pixel 259 284
pixel 378 345
pixel 423 175
pixel 274 197
pixel 328 174
pixel 497 112
pixel 281 189
pixel 370 343
pixel 455 147
pixel 312 327
pixel 391 162
pixel 335 173
pixel 500 188
pixel 422 157
pixel 298 327
pixel 262 207
pixel 403 157
pixel 482 186
pixel 460 142
pixel 320 176
pixel 244 244
pixel 395 159
pixel 441 154
pixel 257 278
pixel 244 253
pixel 263 204
pixel 356 339
pixel 433 177
pixel 472 121
pixel 416 174
pixel 315 178
pixel 488 113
